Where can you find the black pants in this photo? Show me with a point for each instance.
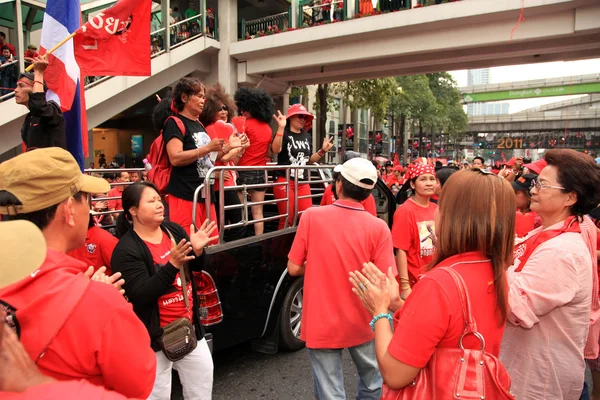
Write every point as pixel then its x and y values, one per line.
pixel 231 216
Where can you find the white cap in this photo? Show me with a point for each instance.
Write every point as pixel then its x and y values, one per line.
pixel 357 169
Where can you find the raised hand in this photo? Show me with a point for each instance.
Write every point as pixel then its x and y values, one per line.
pixel 280 118
pixel 40 63
pixel 327 144
pixel 375 297
pixel 374 274
pixel 180 253
pixel 202 237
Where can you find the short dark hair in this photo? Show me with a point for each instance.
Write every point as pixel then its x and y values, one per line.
pixel 479 158
pixel 161 112
pixel 189 87
pixel 577 173
pixel 352 191
pixel 2 34
pixel 444 173
pixel 40 218
pixel 5 47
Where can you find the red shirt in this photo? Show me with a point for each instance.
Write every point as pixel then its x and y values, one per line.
pixel 70 390
pixel 171 305
pixel 432 315
pixel 259 133
pixel 369 203
pixel 410 233
pixel 30 54
pixel 115 204
pixel 334 241
pixel 393 180
pixel 11 47
pixel 87 336
pixel 212 132
pixel 97 250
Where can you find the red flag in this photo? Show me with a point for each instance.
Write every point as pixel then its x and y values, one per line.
pixel 116 41
pixel 396 160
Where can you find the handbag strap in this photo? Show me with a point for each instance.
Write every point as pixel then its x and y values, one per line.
pixel 182 276
pixel 470 324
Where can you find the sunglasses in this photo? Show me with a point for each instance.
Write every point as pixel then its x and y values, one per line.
pixel 224 108
pixel 301 116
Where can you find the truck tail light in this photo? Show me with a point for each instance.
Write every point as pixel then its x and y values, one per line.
pixel 211 311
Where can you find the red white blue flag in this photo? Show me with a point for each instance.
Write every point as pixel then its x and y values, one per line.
pixel 63 78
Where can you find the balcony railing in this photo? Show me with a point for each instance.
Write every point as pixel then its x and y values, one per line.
pixel 266 25
pixel 323 12
pixel 9 73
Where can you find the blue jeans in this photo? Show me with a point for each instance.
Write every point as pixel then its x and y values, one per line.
pixel 328 373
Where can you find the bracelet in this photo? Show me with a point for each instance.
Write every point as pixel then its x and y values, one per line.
pixel 321 153
pixel 41 83
pixel 278 135
pixel 381 316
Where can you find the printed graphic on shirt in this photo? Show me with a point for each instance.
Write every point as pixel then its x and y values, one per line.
pixel 298 153
pixel 426 231
pixel 90 247
pixel 204 164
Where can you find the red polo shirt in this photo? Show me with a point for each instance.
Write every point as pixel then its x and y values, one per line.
pixel 432 315
pixel 260 134
pixel 369 203
pixel 333 241
pixel 410 233
pixel 97 250
pixel 115 204
pixel 70 390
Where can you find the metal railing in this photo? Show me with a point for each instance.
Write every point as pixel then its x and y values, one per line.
pixel 335 10
pixel 7 68
pixel 255 26
pixel 246 205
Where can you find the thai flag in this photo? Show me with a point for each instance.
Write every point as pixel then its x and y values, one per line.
pixel 63 78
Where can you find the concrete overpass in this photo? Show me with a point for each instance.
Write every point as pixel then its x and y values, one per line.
pixel 565 86
pixel 459 35
pixel 537 121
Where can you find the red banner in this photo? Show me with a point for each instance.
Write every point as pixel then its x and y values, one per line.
pixel 116 42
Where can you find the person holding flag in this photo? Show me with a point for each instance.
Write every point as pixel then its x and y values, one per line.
pixel 44 126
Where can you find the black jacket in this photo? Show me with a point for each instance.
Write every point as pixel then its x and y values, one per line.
pixel 143 285
pixel 44 126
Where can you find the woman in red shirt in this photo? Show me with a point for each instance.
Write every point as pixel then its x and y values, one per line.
pixel 475 239
pixel 150 262
pixel 256 106
pixel 220 106
pixel 413 228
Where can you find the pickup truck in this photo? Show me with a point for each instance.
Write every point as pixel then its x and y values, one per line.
pixel 245 291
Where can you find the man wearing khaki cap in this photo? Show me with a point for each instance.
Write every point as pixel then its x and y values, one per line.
pixel 73 328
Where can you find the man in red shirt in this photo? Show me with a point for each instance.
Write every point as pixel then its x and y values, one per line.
pixel 72 328
pixel 117 191
pixel 330 242
pixel 3 43
pixel 98 248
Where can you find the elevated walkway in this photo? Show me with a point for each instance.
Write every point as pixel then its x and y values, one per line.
pixel 565 86
pixel 451 36
pixel 111 95
pixel 537 121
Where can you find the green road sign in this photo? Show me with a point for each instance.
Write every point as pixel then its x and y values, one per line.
pixel 565 90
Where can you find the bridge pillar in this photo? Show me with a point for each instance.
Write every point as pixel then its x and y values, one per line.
pixel 227 65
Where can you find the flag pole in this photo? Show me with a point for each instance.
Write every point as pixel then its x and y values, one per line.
pixel 52 50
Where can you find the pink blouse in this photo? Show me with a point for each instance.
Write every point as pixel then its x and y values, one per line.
pixel 549 318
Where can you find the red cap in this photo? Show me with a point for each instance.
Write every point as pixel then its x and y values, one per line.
pixel 398 168
pixel 299 109
pixel 536 167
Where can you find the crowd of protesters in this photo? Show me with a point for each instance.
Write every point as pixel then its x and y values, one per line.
pixel 499 262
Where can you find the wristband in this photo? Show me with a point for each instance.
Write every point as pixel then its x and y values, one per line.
pixel 321 153
pixel 41 83
pixel 278 135
pixel 380 316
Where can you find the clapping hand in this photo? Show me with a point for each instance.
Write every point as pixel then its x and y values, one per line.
pixel 375 296
pixel 180 253
pixel 202 237
pixel 327 144
pixel 216 145
pixel 100 276
pixel 374 274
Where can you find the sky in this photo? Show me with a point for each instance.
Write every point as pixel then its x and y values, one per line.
pixel 535 71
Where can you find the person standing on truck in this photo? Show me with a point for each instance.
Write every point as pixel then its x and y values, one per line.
pixel 44 126
pixel 413 228
pixel 150 262
pixel 72 328
pixel 330 195
pixel 330 242
pixel 256 106
pixel 293 145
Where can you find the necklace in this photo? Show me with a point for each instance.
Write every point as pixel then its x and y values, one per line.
pixel 419 204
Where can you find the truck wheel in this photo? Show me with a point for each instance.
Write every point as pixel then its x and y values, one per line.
pixel 291 317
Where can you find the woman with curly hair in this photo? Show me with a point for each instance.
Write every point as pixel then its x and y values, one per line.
pixel 220 106
pixel 256 106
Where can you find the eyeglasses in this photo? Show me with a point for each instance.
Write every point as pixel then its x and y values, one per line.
pixel 301 116
pixel 539 186
pixel 224 108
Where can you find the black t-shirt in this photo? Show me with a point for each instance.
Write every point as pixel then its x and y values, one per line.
pixel 44 126
pixel 295 150
pixel 184 180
